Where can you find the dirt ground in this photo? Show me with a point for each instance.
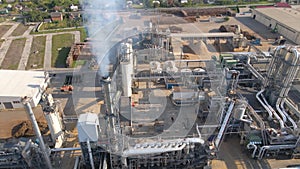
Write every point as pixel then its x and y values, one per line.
pixel 11 118
pixel 19 30
pixel 13 56
pixel 4 29
pixel 233 156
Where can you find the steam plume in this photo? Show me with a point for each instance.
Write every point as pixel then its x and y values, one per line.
pixel 100 18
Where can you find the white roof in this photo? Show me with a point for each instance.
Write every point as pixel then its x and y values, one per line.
pixel 87 127
pixel 15 83
pixel 287 16
pixel 88 118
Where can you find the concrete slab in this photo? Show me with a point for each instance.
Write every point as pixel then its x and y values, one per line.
pixel 25 54
pixel 48 52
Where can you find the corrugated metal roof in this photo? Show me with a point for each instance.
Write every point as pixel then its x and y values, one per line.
pixel 287 16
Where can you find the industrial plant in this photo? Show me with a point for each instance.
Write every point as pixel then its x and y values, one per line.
pixel 167 110
pixel 163 112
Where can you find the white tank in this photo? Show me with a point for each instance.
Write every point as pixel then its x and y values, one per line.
pixel 186 71
pixel 170 67
pixel 155 67
pixel 199 70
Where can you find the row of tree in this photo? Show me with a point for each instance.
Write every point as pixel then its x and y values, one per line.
pixel 50 4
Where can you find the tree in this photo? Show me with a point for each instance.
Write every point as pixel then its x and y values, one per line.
pixel 148 3
pixel 237 9
pixel 36 16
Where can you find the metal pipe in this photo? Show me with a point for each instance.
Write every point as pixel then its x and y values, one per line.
pixel 261 102
pixel 155 150
pixel 283 92
pixel 271 67
pixel 108 101
pixel 287 85
pixel 288 116
pixel 253 71
pixel 274 147
pixel 76 163
pixel 223 127
pixel 90 153
pixel 65 149
pixel 274 112
pixel 291 106
pixel 280 111
pixel 37 131
pixel 293 74
pixel 255 148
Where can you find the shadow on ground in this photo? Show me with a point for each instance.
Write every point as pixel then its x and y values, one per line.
pixel 257 27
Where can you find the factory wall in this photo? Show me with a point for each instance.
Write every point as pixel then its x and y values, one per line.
pixel 288 32
pixel 14 102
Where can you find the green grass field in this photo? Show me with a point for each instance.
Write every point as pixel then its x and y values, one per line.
pixel 61 45
pixel 37 53
pixel 83 34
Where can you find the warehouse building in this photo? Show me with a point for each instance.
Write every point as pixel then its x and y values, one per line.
pixel 17 84
pixel 285 21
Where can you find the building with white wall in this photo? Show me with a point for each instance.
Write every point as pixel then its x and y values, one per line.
pixel 285 20
pixel 15 84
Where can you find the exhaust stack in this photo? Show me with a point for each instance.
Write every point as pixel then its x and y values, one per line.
pixel 106 82
pixel 28 109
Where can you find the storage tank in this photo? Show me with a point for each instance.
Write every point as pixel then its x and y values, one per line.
pixel 155 67
pixel 170 67
pixel 199 80
pixel 198 71
pixel 186 71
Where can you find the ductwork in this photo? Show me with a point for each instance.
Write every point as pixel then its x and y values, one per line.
pixel 273 147
pixel 273 111
pixel 263 104
pixel 254 71
pixel 269 109
pixel 251 146
pixel 291 74
pixel 295 127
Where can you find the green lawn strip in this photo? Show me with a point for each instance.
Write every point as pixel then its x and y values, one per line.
pixel 19 30
pixel 83 34
pixel 61 45
pixel 37 53
pixel 57 25
pixel 78 63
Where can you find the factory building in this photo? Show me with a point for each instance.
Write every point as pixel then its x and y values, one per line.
pixel 17 84
pixel 276 19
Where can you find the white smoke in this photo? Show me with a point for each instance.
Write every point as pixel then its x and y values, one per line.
pixel 100 19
